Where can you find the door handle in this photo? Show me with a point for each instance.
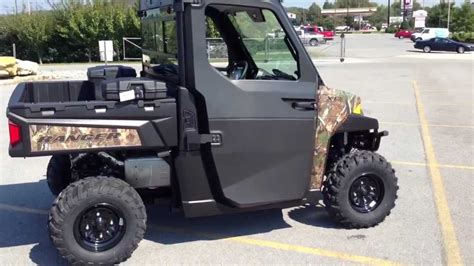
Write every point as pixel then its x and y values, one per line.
pixel 303 106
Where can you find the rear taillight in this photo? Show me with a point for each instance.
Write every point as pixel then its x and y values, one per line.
pixel 15 133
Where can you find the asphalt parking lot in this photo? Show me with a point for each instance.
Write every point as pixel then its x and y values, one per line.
pixel 425 101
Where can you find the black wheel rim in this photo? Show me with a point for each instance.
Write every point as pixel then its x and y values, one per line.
pixel 366 193
pixel 100 227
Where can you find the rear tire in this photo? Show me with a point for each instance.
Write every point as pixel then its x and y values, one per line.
pixel 427 49
pixel 58 174
pixel 97 220
pixel 460 50
pixel 361 190
pixel 401 37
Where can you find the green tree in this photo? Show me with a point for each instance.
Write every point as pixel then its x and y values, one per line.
pixel 438 15
pixel 395 9
pixel 354 3
pixel 301 15
pixel 328 5
pixel 463 19
pixel 32 31
pixel 380 15
pixel 84 25
pixel 314 12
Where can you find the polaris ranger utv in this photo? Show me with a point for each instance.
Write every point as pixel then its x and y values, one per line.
pixel 254 131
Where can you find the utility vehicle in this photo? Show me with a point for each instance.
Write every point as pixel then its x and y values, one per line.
pixel 254 131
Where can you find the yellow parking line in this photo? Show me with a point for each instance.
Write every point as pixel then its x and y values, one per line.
pixel 244 240
pixel 429 125
pixel 464 167
pixel 283 246
pixel 451 246
pixel 408 103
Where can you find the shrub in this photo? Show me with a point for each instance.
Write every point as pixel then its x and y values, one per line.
pixel 379 27
pixel 405 25
pixel 463 36
pixel 391 29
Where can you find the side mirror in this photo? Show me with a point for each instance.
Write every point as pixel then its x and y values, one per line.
pixel 141 13
pixel 343 47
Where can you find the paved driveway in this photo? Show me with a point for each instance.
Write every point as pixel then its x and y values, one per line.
pixel 424 100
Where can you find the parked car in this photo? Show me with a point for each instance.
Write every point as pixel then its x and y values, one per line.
pixel 429 33
pixel 369 28
pixel 310 38
pixel 443 44
pixel 343 28
pixel 401 34
pixel 328 35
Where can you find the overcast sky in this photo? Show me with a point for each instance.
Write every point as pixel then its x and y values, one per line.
pixel 8 6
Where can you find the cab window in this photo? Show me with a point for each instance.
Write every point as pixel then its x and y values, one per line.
pixel 257 44
pixel 160 47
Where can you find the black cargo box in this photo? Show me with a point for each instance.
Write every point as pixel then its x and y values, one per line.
pixel 126 89
pixel 110 72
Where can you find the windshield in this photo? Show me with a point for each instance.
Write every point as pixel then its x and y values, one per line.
pixel 266 42
pixel 160 43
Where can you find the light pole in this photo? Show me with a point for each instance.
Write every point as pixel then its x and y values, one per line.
pixel 28 7
pixel 449 12
pixel 388 14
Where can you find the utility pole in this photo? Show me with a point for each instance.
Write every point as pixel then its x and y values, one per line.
pixel 449 12
pixel 16 7
pixel 347 14
pixel 403 10
pixel 388 15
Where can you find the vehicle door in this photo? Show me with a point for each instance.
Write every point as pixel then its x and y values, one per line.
pixel 443 44
pixel 425 34
pixel 436 44
pixel 302 36
pixel 260 115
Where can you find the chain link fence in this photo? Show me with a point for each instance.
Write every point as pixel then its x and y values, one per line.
pixel 263 49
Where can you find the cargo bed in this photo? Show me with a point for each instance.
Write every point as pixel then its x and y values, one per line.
pixel 73 116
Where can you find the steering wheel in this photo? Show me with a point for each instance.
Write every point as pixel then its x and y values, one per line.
pixel 281 74
pixel 238 70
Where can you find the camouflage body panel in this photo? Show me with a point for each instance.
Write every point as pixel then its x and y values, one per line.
pixel 59 138
pixel 334 107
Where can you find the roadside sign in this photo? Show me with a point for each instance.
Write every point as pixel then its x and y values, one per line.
pixel 408 5
pixel 106 50
pixel 420 18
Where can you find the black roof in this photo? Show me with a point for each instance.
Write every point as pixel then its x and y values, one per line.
pixel 151 4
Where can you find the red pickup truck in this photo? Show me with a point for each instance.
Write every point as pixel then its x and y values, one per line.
pixel 328 35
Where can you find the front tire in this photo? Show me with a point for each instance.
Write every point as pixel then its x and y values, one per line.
pixel 460 50
pixel 361 190
pixel 97 220
pixel 313 42
pixel 58 174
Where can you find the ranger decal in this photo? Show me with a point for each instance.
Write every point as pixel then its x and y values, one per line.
pixel 57 138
